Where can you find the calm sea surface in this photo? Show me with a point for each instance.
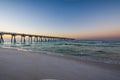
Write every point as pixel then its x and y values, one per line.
pixel 103 51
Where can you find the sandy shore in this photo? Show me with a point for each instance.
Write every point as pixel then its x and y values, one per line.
pixel 20 65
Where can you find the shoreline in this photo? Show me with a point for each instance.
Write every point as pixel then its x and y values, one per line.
pixel 71 57
pixel 25 65
pixel 96 59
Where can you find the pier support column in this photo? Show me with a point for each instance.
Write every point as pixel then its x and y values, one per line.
pixel 41 38
pixel 45 38
pixel 53 39
pixel 1 38
pixel 23 39
pixel 30 39
pixel 13 38
pixel 48 39
pixel 36 39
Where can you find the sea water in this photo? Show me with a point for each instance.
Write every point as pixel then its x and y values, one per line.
pixel 107 51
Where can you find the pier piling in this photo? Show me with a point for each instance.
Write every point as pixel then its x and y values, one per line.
pixel 13 38
pixel 1 38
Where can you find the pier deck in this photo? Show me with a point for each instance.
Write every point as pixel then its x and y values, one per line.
pixel 37 38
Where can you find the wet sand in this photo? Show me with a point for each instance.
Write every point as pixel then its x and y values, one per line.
pixel 20 65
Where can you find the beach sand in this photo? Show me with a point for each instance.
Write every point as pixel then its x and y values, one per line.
pixel 21 65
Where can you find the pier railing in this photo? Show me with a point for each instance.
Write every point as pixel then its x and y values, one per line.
pixel 31 37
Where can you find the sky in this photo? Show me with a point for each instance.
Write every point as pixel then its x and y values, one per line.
pixel 82 19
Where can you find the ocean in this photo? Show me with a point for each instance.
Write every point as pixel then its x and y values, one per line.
pixel 107 51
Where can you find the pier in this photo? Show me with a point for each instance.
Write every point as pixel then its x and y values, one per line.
pixel 31 38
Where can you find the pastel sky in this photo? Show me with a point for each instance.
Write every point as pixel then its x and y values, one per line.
pixel 84 19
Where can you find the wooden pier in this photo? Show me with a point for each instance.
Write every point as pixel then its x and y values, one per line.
pixel 35 38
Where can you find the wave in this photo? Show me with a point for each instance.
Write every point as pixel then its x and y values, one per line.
pixel 82 49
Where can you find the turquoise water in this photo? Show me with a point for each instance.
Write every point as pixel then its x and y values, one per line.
pixel 107 51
